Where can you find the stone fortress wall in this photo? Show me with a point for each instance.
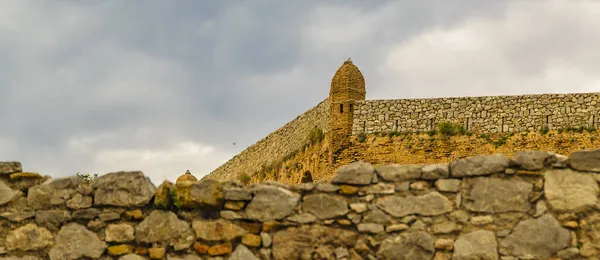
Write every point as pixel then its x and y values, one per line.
pixel 275 146
pixel 479 114
pixel 534 205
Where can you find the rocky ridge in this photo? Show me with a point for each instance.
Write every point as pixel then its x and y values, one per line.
pixel 534 205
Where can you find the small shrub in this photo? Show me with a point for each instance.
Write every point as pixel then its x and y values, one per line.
pixel 450 129
pixel 431 132
pixel 362 137
pixel 394 133
pixel 592 139
pixel 501 141
pixel 316 135
pixel 244 178
pixel 544 130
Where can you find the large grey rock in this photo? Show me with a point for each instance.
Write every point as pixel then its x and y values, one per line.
pixel 398 173
pixel 235 193
pixel 199 194
pixel 119 233
pixel 301 242
pixel 29 237
pixel 430 204
pixel 242 253
pixel 52 219
pixel 164 227
pixel 435 171
pixel 377 216
pixel 407 246
pixel 570 191
pixel 541 237
pixel 271 203
pixel 533 160
pixel 123 189
pixel 53 192
pixel 325 206
pixel 478 165
pixel 480 245
pixel 18 216
pixel 6 193
pixel 585 160
pixel 74 241
pixel 356 173
pixel 495 195
pixel 10 167
pixel 217 230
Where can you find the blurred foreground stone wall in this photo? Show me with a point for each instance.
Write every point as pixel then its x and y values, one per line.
pixel 534 205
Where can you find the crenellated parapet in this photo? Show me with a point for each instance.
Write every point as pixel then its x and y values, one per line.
pixel 533 205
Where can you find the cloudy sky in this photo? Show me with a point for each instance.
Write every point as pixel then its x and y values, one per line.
pixel 165 86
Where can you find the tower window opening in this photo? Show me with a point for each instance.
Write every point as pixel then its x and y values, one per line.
pixel 467 125
pixel 364 126
pixel 396 125
pixel 341 108
pixel 351 108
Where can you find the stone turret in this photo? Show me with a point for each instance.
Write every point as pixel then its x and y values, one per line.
pixel 347 86
pixel 187 176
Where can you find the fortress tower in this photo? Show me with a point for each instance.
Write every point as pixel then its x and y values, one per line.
pixel 347 86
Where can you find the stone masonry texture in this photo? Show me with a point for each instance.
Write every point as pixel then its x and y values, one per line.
pixel 531 205
pixel 479 114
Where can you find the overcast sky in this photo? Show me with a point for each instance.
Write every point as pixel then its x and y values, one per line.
pixel 166 86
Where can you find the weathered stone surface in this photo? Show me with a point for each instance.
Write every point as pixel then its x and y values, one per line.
pixel 430 204
pixel 569 191
pixel 163 198
pixel 52 219
pixel 478 165
pixel 407 246
pixel 6 193
pixel 198 194
pixel 266 239
pixel 398 173
pixel 132 257
pixel 379 188
pixel 119 233
pixel 480 244
pixel 53 192
pixel 325 206
pixel 237 194
pixel 357 173
pixel 29 237
pixel 495 195
pixel 74 241
pixel 327 187
pixel 541 237
pixel 533 160
pixel 163 226
pixel 10 167
pixel 27 257
pixel 435 171
pixel 271 203
pixel 220 249
pixel 185 257
pixel 90 213
pixel 17 216
pixel 121 249
pixel 123 189
pixel 377 216
pixel 302 218
pixel 242 253
pixel 299 243
pixel 448 185
pixel 217 230
pixel 585 160
pixel 79 201
pixel 370 228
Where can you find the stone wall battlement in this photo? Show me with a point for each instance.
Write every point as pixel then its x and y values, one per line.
pixel 479 114
pixel 534 205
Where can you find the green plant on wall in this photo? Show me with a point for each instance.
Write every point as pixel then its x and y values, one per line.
pixel 451 129
pixel 362 137
pixel 244 178
pixel 316 135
